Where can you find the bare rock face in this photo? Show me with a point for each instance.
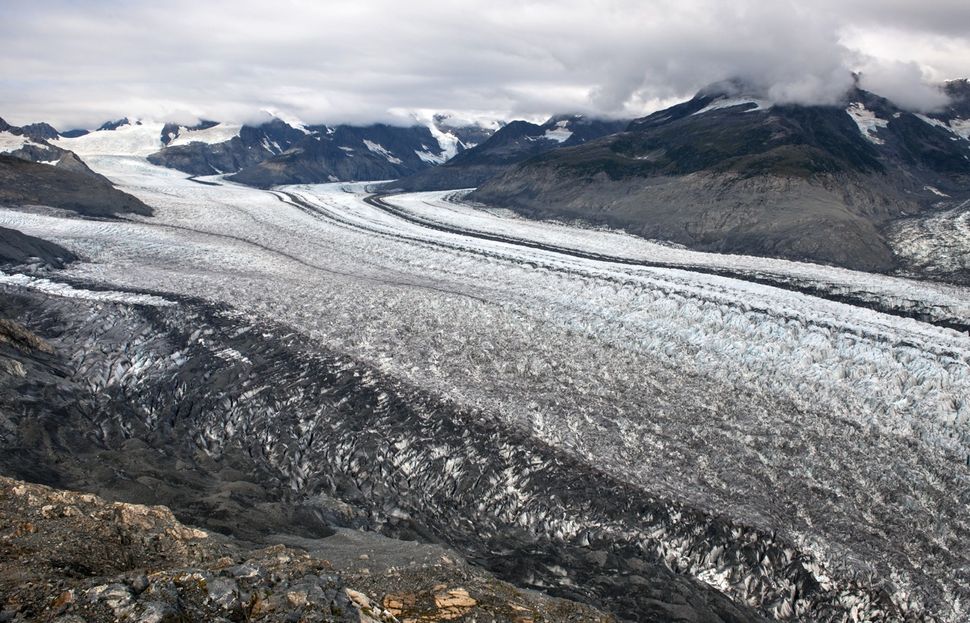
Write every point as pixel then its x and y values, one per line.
pixel 833 220
pixel 67 556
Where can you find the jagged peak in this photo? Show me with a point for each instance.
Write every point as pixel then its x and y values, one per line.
pixel 114 125
pixel 40 131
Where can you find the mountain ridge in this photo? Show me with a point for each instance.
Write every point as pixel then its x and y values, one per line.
pixel 730 173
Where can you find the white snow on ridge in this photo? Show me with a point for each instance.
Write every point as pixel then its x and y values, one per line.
pixel 133 139
pixel 219 133
pixel 380 150
pixel 429 157
pixel 448 142
pixel 289 119
pixel 933 122
pixel 12 142
pixel 959 127
pixel 730 102
pixel 867 121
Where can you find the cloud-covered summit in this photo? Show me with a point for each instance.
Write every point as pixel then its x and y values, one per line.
pixel 77 63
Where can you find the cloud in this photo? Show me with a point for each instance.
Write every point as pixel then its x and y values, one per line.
pixel 79 63
pixel 903 83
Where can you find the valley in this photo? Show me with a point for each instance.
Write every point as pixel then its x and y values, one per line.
pixel 578 410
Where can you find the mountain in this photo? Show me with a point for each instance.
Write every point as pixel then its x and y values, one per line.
pixel 210 148
pixel 282 151
pixel 30 142
pixel 35 172
pixel 515 142
pixel 375 152
pixel 729 172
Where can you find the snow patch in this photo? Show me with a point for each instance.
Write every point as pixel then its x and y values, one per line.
pixel 960 127
pixel 291 120
pixel 11 142
pixel 935 191
pixel 447 142
pixel 380 150
pixel 560 133
pixel 427 156
pixel 933 122
pixel 867 121
pixel 730 102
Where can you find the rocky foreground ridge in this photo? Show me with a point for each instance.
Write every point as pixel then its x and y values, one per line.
pixel 72 557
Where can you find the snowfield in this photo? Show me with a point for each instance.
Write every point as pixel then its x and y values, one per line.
pixel 219 133
pixel 844 428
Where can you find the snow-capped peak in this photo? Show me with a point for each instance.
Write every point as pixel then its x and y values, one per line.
pixel 289 119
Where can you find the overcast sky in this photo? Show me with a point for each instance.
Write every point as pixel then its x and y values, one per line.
pixel 78 63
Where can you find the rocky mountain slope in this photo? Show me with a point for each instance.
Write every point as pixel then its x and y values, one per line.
pixel 376 152
pixel 728 172
pixel 514 143
pixel 211 148
pixel 68 185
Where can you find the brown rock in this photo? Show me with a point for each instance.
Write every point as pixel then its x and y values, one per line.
pixel 62 602
pixel 453 603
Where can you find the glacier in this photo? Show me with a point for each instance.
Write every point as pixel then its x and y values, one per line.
pixel 822 406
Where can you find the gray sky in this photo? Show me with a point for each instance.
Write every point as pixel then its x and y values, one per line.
pixel 78 63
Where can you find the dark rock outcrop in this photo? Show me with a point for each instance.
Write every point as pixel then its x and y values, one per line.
pixel 71 186
pixel 40 131
pixel 19 248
